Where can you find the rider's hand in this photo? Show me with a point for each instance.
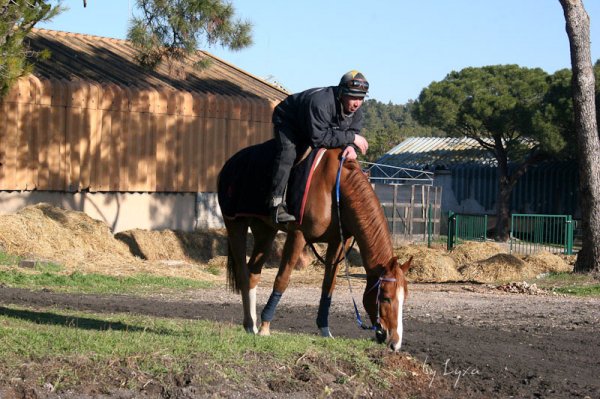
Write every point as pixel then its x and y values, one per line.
pixel 349 153
pixel 361 143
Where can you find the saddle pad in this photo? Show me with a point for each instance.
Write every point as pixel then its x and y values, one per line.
pixel 245 182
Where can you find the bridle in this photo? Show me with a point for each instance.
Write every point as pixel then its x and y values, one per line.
pixel 377 326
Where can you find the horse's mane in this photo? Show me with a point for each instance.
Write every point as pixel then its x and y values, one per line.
pixel 365 206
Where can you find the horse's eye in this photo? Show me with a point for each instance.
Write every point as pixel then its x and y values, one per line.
pixel 386 300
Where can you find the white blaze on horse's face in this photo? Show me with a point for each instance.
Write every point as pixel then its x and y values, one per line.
pixel 391 317
pixel 399 327
pixel 390 302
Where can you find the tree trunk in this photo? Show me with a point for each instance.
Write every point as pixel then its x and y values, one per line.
pixel 503 209
pixel 578 31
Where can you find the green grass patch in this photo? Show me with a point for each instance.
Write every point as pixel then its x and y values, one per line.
pixel 576 284
pixel 48 267
pixel 593 290
pixel 97 283
pixel 67 347
pixel 8 260
pixel 42 266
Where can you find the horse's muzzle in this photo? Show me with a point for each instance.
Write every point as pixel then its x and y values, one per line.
pixel 380 334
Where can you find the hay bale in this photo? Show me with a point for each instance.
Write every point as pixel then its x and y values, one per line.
pixel 500 267
pixel 429 265
pixel 546 262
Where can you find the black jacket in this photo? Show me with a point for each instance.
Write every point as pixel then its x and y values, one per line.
pixel 314 117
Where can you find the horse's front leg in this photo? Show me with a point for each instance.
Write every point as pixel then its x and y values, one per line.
pixel 332 262
pixel 292 249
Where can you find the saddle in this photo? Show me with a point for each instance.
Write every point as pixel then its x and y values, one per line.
pixel 245 181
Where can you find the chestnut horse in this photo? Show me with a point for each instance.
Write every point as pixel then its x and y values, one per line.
pixel 362 218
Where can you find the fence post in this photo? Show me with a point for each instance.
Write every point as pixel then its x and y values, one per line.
pixel 451 225
pixel 485 225
pixel 569 235
pixel 429 227
pixel 394 211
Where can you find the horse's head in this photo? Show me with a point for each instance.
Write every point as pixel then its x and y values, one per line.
pixel 384 298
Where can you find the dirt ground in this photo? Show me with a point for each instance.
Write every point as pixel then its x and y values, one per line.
pixel 485 341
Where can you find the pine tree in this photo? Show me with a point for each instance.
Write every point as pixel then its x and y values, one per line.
pixel 17 18
pixel 173 29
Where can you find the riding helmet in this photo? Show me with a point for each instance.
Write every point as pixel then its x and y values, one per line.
pixel 354 84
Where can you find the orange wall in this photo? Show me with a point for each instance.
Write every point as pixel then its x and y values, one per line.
pixel 58 135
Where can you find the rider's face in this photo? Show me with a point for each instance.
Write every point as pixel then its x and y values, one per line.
pixel 351 104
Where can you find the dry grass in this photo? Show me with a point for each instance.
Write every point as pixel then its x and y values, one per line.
pixel 83 244
pixel 500 267
pixel 429 264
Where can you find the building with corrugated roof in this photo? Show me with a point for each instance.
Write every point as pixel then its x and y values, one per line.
pixel 468 175
pixel 93 131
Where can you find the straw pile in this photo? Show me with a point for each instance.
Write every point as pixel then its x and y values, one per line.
pixel 546 262
pixel 472 251
pixel 70 238
pixel 429 265
pixel 175 245
pixel 199 247
pixel 505 267
pixel 43 232
pixel 73 239
pixel 500 267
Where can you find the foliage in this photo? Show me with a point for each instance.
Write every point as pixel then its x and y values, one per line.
pixel 489 104
pixel 17 18
pixel 386 125
pixel 496 106
pixel 556 115
pixel 170 29
pixel 174 29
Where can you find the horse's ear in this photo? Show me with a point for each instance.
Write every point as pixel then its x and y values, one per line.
pixel 392 263
pixel 406 265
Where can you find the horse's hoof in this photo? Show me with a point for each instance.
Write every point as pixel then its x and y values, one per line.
pixel 251 330
pixel 264 331
pixel 325 332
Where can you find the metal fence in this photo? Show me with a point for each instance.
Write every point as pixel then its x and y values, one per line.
pixel 533 233
pixel 463 227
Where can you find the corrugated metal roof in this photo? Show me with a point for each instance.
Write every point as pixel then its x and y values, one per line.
pixel 432 152
pixel 105 60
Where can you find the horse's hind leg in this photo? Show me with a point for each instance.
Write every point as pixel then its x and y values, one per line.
pixel 237 271
pixel 263 235
pixel 294 244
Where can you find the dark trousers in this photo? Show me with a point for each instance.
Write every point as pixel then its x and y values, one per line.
pixel 284 160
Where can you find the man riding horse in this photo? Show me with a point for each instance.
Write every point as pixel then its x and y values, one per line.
pixel 328 117
pixel 320 118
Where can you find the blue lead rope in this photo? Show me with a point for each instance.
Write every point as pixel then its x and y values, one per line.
pixel 361 324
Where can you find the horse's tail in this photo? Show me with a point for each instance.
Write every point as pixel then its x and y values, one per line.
pixel 232 272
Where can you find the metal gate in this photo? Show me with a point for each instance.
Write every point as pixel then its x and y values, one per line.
pixel 534 233
pixel 463 227
pixel 410 201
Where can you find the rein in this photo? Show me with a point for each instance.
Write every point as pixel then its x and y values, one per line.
pixel 341 256
pixel 381 279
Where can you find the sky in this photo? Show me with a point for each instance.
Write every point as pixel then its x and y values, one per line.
pixel 401 46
